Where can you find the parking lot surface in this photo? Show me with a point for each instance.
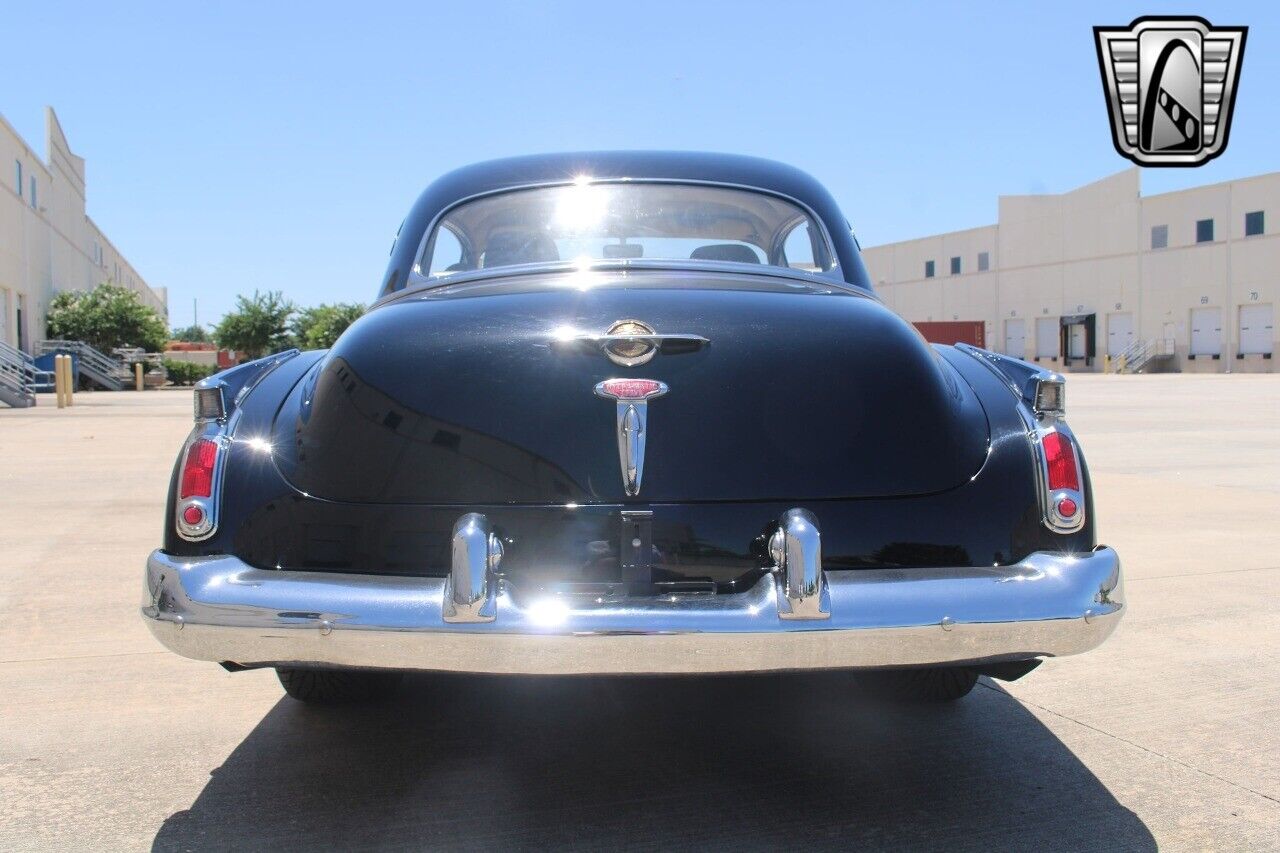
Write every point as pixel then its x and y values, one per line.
pixel 1166 735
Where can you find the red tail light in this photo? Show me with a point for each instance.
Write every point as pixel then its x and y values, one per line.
pixel 1060 456
pixel 197 469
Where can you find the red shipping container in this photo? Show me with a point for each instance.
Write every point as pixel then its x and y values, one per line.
pixel 954 332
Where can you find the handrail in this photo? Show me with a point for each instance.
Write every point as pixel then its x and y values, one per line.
pixel 90 357
pixel 17 371
pixel 1142 352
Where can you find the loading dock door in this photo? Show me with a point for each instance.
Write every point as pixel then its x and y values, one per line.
pixel 1257 329
pixel 1076 340
pixel 1015 338
pixel 1206 331
pixel 1048 339
pixel 1119 333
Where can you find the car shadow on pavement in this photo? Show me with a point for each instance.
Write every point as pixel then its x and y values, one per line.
pixel 733 762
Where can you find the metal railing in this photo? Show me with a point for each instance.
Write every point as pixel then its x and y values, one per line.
pixel 17 377
pixel 1139 354
pixel 102 369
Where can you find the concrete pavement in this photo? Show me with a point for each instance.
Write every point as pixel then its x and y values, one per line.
pixel 1166 735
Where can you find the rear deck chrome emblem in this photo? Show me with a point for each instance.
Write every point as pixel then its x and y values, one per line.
pixel 632 346
pixel 632 397
pixel 629 343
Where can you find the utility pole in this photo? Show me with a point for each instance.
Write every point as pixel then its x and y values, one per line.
pixel 195 312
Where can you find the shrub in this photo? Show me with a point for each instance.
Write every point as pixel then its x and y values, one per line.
pixel 186 372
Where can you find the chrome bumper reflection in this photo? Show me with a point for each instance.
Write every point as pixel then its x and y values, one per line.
pixel 221 609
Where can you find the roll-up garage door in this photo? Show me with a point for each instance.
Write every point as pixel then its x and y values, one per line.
pixel 1119 333
pixel 1015 338
pixel 1206 331
pixel 1048 337
pixel 1257 330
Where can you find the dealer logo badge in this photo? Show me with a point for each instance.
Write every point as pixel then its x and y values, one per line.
pixel 1170 85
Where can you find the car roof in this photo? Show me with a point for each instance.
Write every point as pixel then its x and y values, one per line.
pixel 729 169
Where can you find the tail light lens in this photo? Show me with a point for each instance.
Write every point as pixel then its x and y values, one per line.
pixel 1060 457
pixel 197 469
pixel 1063 499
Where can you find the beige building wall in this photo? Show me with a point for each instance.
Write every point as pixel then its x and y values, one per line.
pixel 1091 252
pixel 47 242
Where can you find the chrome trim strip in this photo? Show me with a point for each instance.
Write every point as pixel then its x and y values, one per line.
pixel 667 344
pixel 419 286
pixel 1049 604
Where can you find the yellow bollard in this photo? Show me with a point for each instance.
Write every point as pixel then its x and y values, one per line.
pixel 69 382
pixel 59 381
pixel 137 376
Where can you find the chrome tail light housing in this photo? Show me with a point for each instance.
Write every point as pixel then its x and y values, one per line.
pixel 1061 479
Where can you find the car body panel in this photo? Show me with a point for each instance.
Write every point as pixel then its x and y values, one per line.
pixel 801 394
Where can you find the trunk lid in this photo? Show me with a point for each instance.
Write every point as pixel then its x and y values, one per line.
pixel 461 396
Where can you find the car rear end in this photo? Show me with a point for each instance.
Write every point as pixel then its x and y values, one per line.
pixel 446 490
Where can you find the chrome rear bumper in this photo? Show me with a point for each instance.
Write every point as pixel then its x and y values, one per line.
pixel 221 609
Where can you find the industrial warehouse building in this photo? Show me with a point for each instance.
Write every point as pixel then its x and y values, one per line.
pixel 47 242
pixel 1078 280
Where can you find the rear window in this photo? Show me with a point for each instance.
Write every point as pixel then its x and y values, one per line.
pixel 603 223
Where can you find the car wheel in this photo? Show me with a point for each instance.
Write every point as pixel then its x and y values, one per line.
pixel 940 684
pixel 337 686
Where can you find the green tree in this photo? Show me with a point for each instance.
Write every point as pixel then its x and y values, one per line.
pixel 259 325
pixel 319 327
pixel 191 334
pixel 106 317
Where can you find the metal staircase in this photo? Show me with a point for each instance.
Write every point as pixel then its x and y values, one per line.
pixel 102 370
pixel 18 376
pixel 1146 356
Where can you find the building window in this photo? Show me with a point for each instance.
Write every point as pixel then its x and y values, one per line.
pixel 955 266
pixel 928 269
pixel 1253 224
pixel 17 165
pixel 984 261
pixel 1160 236
pixel 1204 231
pixel 33 193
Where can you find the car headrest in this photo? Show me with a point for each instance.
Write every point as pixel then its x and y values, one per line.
pixel 507 248
pixel 735 252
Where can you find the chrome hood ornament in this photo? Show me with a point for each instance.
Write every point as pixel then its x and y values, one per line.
pixel 632 397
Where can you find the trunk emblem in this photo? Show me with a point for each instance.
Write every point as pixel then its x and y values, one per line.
pixel 632 397
pixel 628 343
pixel 633 345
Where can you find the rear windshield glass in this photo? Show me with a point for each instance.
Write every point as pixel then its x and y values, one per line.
pixel 585 223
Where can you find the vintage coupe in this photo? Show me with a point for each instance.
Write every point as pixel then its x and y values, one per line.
pixel 630 413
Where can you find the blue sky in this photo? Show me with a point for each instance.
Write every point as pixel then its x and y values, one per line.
pixel 234 146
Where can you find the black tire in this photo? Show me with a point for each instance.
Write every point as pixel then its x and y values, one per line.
pixel 941 684
pixel 337 686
